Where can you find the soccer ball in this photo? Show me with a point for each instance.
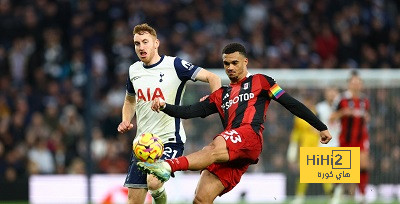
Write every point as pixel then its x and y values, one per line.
pixel 148 147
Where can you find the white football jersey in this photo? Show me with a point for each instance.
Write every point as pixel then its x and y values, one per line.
pixel 165 79
pixel 324 111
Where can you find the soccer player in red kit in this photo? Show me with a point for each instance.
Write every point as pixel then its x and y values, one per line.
pixel 242 107
pixel 352 110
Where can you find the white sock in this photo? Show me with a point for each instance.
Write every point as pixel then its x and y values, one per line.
pixel 159 195
pixel 337 193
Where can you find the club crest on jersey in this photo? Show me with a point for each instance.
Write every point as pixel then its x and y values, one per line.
pixel 161 75
pixel 246 86
pixel 226 96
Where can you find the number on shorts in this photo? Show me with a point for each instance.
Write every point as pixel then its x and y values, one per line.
pixel 232 135
pixel 168 151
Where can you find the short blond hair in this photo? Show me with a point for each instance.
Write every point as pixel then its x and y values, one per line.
pixel 142 28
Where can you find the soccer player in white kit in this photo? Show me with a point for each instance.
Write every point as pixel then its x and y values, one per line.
pixel 324 110
pixel 163 77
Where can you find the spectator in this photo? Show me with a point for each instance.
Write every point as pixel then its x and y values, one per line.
pixel 42 157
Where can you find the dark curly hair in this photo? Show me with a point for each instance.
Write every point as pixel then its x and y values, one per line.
pixel 234 47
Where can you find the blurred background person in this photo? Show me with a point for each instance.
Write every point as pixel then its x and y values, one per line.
pixel 303 135
pixel 353 112
pixel 325 109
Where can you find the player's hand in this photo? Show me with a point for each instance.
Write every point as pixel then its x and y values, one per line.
pixel 124 126
pixel 325 136
pixel 203 98
pixel 158 104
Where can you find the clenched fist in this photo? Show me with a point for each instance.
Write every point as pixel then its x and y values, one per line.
pixel 124 126
pixel 158 104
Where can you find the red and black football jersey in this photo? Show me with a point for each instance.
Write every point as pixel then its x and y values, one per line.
pixel 354 127
pixel 246 102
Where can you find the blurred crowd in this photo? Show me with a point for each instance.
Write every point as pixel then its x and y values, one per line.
pixel 48 47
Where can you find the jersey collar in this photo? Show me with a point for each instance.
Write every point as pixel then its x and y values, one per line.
pixel 155 64
pixel 242 80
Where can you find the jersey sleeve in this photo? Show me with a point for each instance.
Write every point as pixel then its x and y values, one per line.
pixel 129 87
pixel 199 109
pixel 216 96
pixel 300 110
pixel 274 90
pixel 185 70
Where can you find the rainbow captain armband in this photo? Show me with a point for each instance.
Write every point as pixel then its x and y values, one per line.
pixel 276 91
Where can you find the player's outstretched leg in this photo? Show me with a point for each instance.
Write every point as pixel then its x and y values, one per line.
pixel 159 169
pixel 156 189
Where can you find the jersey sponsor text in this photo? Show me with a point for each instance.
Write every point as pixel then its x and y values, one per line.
pixel 149 97
pixel 236 99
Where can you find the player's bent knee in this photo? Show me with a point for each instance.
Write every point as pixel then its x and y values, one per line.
pixel 220 151
pixel 200 200
pixel 153 183
pixel 214 153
